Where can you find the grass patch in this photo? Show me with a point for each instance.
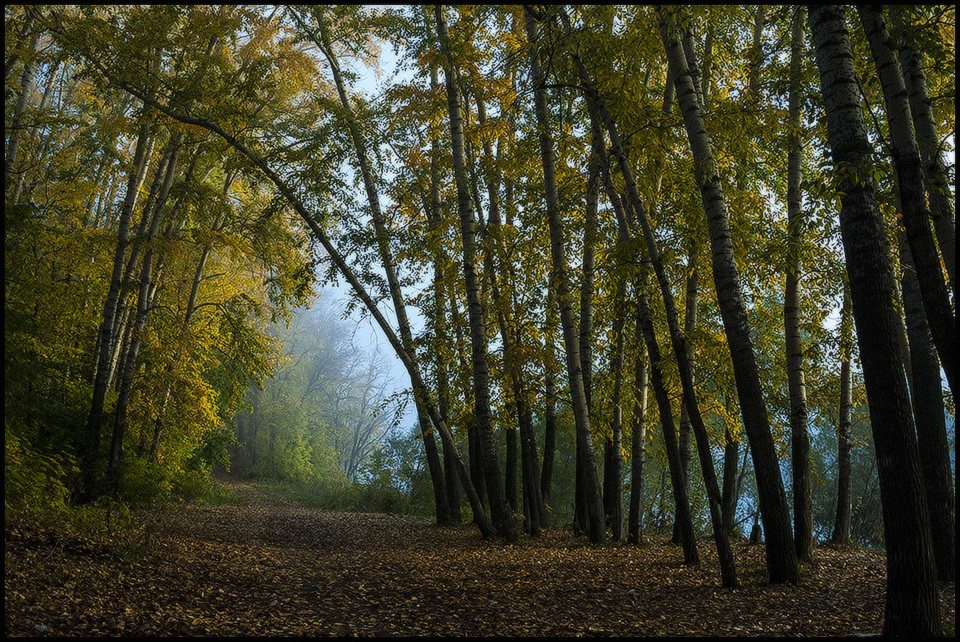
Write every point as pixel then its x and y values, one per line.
pixel 354 498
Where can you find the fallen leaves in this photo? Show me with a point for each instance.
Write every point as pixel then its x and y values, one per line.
pixel 273 568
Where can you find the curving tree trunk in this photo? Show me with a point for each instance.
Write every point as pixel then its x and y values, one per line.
pixel 550 401
pixel 912 604
pixel 612 502
pixel 590 224
pixel 781 555
pixel 689 328
pixel 730 495
pixel 323 42
pixel 434 211
pixel 687 536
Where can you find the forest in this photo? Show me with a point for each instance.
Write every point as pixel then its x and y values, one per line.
pixel 479 320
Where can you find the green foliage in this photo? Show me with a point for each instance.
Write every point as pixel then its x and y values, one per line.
pixel 33 481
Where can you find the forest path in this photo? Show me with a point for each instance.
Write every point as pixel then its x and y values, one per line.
pixel 272 567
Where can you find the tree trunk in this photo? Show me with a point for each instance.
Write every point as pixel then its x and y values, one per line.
pixel 435 220
pixel 935 173
pixel 687 536
pixel 586 324
pixel 550 410
pixel 639 437
pixel 728 501
pixel 689 328
pixel 90 448
pixel 591 485
pixel 612 503
pixel 912 604
pixel 841 527
pixel 389 265
pixel 473 445
pixel 16 126
pixel 929 416
pixel 781 555
pixel 910 185
pixel 510 465
pixel 799 437
pixel 499 509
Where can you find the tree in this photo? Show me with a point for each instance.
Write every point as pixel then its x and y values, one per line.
pixel 912 606
pixel 800 439
pixel 928 414
pixel 841 528
pixel 938 189
pixel 781 556
pixel 909 172
pixel 499 511
pixel 591 486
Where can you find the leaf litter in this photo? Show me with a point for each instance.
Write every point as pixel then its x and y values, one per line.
pixel 272 567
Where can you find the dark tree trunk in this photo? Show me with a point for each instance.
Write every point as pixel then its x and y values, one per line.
pixel 935 173
pixel 781 555
pixel 799 437
pixel 687 536
pixel 475 457
pixel 731 454
pixel 912 604
pixel 689 328
pixel 550 410
pixel 612 502
pixel 499 509
pixel 910 184
pixel 931 426
pixel 841 527
pixel 510 468
pixel 581 517
pixel 435 213
pixel 585 464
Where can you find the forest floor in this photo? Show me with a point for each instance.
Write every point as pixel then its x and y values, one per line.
pixel 272 567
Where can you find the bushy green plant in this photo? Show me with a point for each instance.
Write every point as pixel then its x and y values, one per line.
pixel 143 482
pixel 33 481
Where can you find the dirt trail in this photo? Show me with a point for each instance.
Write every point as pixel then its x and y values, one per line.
pixel 273 567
